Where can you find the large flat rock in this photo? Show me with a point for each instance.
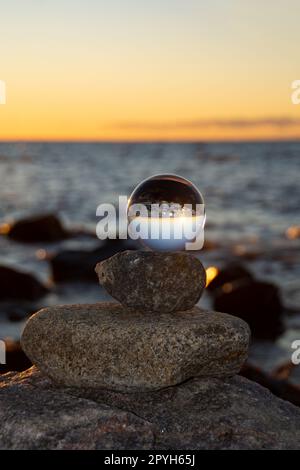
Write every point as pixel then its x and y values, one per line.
pixel 207 413
pixel 105 346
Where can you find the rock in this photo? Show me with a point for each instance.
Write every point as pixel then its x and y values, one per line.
pixel 277 385
pixel 15 358
pixel 208 413
pixel 258 303
pixel 233 272
pixel 34 415
pixel 71 265
pixel 19 285
pixel 39 228
pixel 153 281
pixel 104 345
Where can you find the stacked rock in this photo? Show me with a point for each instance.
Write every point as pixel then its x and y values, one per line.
pixel 153 337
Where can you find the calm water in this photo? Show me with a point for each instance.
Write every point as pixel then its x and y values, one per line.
pixel 251 191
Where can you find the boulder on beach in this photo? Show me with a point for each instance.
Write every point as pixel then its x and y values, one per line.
pixel 38 228
pixel 256 302
pixel 233 272
pixel 235 291
pixel 106 346
pixel 19 285
pixel 71 265
pixel 153 281
pixel 207 413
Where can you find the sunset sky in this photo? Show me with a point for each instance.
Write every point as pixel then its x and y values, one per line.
pixel 149 70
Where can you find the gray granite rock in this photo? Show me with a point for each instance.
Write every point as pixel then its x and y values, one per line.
pixel 207 413
pixel 153 281
pixel 35 415
pixel 106 346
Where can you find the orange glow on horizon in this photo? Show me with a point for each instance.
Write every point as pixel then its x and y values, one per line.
pixel 108 66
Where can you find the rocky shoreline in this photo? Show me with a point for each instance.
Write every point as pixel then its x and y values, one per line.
pixel 206 413
pixel 111 377
pixel 151 372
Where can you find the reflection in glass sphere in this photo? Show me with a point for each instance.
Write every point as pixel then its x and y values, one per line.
pixel 166 212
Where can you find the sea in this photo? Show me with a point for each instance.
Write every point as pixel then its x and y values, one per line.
pixel 251 193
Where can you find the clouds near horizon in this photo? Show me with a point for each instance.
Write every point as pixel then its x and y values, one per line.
pixel 237 123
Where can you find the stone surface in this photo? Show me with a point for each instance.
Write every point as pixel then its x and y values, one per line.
pixel 203 413
pixel 34 415
pixel 104 345
pixel 153 281
pixel 278 381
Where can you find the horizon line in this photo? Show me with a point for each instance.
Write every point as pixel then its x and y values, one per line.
pixel 147 140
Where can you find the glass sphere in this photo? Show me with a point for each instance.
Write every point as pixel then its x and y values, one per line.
pixel 166 212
